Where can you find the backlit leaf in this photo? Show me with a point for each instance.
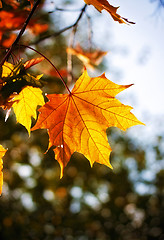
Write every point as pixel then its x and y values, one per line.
pixel 89 59
pixel 14 78
pixel 14 20
pixel 2 153
pixel 33 62
pixel 25 105
pixel 78 121
pixel 104 5
pixel 8 41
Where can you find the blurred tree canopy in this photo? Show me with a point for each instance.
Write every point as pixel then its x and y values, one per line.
pixel 87 203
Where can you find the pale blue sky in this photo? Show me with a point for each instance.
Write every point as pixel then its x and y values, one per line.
pixel 145 42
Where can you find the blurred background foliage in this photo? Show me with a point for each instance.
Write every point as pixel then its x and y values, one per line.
pixel 87 203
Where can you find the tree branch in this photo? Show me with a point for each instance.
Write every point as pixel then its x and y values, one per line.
pixel 20 33
pixel 74 25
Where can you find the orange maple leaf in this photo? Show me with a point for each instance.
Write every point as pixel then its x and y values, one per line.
pixel 0 4
pixel 78 121
pixel 89 59
pixel 2 153
pixel 104 5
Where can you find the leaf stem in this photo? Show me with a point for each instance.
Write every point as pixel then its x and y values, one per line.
pixel 21 45
pixel 20 33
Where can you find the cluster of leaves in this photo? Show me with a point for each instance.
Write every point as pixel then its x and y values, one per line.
pixel 13 18
pixel 81 116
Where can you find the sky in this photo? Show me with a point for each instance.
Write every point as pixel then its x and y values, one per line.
pixel 140 59
pixel 144 63
pixel 136 53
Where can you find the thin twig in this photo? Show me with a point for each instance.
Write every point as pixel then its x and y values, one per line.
pixel 90 33
pixel 56 34
pixel 20 33
pixel 72 39
pixel 80 16
pixel 67 10
pixel 21 45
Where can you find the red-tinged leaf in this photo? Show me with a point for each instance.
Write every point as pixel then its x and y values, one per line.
pixel 13 3
pixel 9 41
pixel 53 73
pixel 14 20
pixel 89 59
pixel 104 5
pixel 33 62
pixel 38 28
pixel 78 121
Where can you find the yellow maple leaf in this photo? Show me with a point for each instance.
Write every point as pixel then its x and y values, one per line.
pixel 78 121
pixel 2 153
pixel 104 5
pixel 25 105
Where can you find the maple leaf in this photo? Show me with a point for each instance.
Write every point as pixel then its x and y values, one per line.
pixel 2 153
pixel 14 91
pixel 25 104
pixel 89 59
pixel 0 4
pixel 78 121
pixel 104 5
pixel 15 78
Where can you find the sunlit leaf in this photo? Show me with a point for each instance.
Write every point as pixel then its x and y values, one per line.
pixel 78 121
pixel 33 62
pixel 14 78
pixel 8 41
pixel 104 5
pixel 14 20
pixel 2 153
pixel 25 105
pixel 89 59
